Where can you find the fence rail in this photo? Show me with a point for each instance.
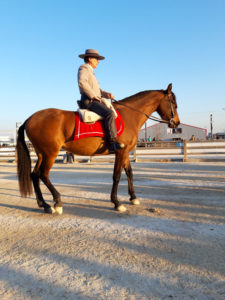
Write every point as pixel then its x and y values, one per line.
pixel 182 151
pixel 213 150
pixel 185 151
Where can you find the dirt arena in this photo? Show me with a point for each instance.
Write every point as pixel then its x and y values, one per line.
pixel 172 246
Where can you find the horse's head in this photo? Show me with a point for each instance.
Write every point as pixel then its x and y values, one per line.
pixel 167 108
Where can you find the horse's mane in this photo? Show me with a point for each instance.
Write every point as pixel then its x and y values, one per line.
pixel 137 95
pixel 143 93
pixel 133 97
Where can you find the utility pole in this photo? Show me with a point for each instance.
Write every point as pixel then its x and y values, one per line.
pixel 211 126
pixel 17 128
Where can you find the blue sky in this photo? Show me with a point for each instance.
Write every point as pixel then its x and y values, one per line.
pixel 147 45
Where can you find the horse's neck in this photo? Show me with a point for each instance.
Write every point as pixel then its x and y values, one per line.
pixel 144 105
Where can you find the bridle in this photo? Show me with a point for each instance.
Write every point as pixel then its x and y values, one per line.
pixel 170 122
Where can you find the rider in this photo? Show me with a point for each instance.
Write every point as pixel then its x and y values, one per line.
pixel 92 94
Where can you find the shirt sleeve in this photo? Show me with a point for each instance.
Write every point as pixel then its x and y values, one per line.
pixel 83 82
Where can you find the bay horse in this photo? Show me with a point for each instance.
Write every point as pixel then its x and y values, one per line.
pixel 50 130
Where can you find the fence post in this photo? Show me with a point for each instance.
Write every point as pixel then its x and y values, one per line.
pixel 185 151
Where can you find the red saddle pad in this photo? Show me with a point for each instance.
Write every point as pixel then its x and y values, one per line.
pixel 83 130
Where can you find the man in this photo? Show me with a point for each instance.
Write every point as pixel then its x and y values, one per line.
pixel 92 94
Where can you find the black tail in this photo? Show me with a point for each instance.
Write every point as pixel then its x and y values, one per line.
pixel 23 164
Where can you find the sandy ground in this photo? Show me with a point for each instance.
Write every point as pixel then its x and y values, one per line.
pixel 93 252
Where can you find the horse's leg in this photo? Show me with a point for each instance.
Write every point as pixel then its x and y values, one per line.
pixel 129 173
pixel 118 167
pixel 46 165
pixel 35 176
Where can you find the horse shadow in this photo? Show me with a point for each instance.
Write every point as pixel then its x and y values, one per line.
pixel 19 207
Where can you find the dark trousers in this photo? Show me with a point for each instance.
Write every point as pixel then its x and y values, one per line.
pixel 107 114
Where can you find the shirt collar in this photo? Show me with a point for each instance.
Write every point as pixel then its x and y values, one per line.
pixel 89 66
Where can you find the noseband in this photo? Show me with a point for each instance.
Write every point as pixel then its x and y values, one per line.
pixel 170 122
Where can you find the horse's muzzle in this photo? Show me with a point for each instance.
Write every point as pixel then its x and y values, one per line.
pixel 173 124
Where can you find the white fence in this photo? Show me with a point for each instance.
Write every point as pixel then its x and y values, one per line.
pixel 150 151
pixel 208 150
pixel 182 151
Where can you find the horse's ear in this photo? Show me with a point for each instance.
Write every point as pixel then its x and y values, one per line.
pixel 169 89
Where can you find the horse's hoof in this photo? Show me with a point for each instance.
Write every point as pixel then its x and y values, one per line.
pixel 121 208
pixel 135 202
pixel 59 210
pixel 49 210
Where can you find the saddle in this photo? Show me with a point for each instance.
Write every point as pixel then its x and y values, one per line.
pixel 91 129
pixel 91 117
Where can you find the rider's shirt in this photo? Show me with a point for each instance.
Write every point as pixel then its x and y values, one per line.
pixel 88 83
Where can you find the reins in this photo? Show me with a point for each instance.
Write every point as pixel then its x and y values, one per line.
pixel 150 117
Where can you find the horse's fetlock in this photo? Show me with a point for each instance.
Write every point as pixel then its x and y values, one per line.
pixel 116 203
pixel 113 200
pixel 49 210
pixel 40 203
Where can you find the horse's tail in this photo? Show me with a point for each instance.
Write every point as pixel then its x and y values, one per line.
pixel 23 164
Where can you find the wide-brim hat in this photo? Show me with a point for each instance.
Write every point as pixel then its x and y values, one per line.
pixel 91 53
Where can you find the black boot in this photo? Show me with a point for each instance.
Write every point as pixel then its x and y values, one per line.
pixel 114 147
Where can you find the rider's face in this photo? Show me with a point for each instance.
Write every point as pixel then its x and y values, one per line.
pixel 93 61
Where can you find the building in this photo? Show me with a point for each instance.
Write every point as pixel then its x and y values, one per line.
pixel 161 132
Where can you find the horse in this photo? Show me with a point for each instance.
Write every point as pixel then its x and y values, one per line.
pixel 51 130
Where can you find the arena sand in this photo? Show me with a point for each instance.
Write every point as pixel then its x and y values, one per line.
pixel 172 246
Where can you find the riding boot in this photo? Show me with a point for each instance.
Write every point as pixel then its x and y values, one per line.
pixel 112 133
pixel 109 120
pixel 114 146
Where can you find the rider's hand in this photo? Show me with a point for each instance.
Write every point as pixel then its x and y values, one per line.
pixel 110 96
